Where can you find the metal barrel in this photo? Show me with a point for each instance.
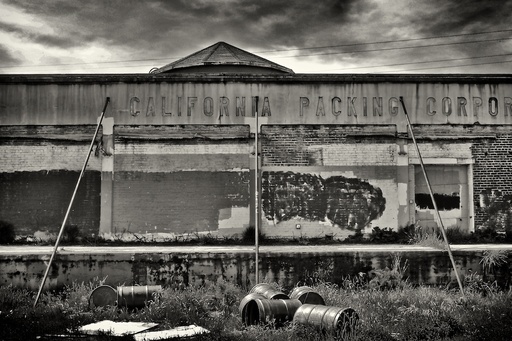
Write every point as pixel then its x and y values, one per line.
pixel 264 310
pixel 326 318
pixel 136 296
pixel 307 295
pixel 268 291
pixel 242 308
pixel 102 296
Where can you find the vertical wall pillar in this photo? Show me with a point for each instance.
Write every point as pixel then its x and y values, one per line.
pixel 252 198
pixel 253 158
pixel 255 128
pixel 405 177
pixel 471 200
pixel 251 122
pixel 107 176
pixel 403 183
pixel 412 194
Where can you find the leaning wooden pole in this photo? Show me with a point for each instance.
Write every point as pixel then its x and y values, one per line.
pixel 71 202
pixel 443 231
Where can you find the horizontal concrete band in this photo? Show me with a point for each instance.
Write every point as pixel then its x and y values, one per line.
pixel 320 249
pixel 171 266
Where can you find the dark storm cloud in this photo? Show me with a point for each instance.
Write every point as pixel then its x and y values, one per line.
pixel 160 27
pixel 423 19
pixel 455 16
pixel 36 37
pixel 451 17
pixel 265 24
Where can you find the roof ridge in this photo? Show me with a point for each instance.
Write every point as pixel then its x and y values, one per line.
pixel 213 49
pixel 229 55
pixel 186 57
pixel 230 48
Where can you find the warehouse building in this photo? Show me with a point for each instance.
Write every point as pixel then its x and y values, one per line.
pixel 221 139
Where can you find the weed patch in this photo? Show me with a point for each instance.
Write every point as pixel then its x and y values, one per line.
pixel 390 312
pixel 409 234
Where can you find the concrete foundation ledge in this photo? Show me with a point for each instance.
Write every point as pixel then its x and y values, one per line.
pixel 24 266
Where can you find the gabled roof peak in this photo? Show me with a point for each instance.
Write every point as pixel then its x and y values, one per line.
pixel 222 54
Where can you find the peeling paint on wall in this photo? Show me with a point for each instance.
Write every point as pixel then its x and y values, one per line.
pixel 177 202
pixel 233 216
pixel 497 209
pixel 349 203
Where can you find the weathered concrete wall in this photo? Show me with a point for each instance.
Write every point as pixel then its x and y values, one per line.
pixel 178 266
pixel 177 152
pixel 294 99
pixel 156 174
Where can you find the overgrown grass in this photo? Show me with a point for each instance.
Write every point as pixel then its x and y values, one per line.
pixel 396 311
pixel 429 237
pixel 409 234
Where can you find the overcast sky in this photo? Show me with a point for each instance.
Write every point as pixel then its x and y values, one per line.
pixel 124 36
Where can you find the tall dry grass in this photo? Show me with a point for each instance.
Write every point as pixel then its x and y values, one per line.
pixel 391 309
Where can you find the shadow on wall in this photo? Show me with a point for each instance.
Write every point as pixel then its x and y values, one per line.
pixel 349 203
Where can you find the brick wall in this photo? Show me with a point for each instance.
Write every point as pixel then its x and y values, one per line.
pixel 360 162
pixel 177 202
pixel 180 179
pixel 39 169
pixel 37 201
pixel 177 132
pixel 313 145
pixel 182 155
pixel 45 155
pixel 441 149
pixel 181 148
pixel 213 155
pixel 491 172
